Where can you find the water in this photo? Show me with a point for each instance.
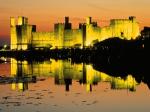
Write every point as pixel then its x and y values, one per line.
pixel 63 86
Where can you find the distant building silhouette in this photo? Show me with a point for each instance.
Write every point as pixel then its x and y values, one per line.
pixel 145 33
pixel 24 36
pixel 67 24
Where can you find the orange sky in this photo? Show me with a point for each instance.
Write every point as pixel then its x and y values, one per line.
pixel 44 13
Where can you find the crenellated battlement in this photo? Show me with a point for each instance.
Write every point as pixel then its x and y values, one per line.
pixel 24 36
pixel 20 21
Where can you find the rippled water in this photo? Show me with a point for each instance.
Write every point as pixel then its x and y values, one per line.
pixel 63 86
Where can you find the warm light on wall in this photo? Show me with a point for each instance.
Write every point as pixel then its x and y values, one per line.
pixel 22 35
pixel 13 33
pixel 43 39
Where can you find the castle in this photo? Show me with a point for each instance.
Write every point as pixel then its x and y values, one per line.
pixel 25 36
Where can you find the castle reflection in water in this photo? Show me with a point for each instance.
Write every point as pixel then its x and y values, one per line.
pixel 64 72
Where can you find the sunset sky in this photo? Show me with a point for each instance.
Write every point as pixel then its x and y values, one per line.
pixel 44 13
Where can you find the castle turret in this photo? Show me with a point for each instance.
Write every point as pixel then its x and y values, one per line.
pixel 13 33
pixel 67 24
pixel 22 20
pixel 88 20
pixel 21 33
pixel 12 21
pixel 132 18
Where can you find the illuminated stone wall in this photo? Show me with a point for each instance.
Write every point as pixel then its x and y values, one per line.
pixel 123 28
pixel 43 39
pixel 23 36
pixel 22 20
pixel 92 33
pixel 105 33
pixel 73 37
pixel 24 33
pixel 13 33
pixel 59 34
pixel 21 33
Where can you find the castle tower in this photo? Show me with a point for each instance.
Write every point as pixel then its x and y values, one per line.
pixel 59 34
pixel 132 18
pixel 66 19
pixel 67 24
pixel 12 21
pixel 82 26
pixel 13 35
pixel 22 20
pixel 21 33
pixel 88 20
pixel 125 28
pixel 135 27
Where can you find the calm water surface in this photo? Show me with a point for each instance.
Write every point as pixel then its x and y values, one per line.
pixel 63 86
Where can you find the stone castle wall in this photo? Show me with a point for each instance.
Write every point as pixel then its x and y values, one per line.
pixel 24 36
